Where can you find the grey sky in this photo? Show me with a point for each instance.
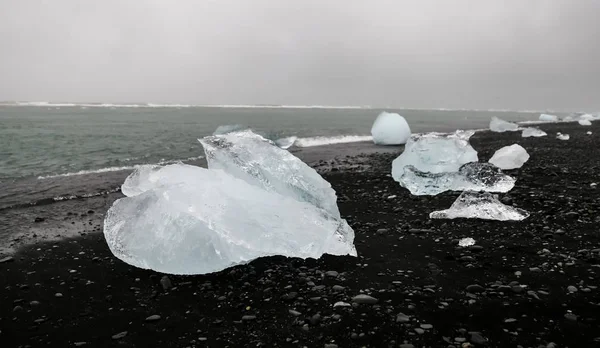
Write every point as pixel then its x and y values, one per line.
pixel 533 54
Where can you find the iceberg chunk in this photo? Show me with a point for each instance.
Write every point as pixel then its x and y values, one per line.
pixel 476 205
pixel 561 136
pixel 435 153
pixel 510 157
pixel 204 221
pixel 465 242
pixel 472 176
pixel 548 118
pixel 286 143
pixel 589 133
pixel 228 128
pixel 533 132
pixel 259 162
pixel 390 129
pixel 500 126
pixel 585 122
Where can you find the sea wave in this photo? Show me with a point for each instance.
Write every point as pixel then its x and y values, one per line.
pixel 329 140
pixel 116 169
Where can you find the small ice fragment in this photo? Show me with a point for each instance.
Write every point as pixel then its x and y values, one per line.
pixel 474 176
pixel 593 184
pixel 585 122
pixel 228 128
pixel 286 143
pixel 500 126
pixel 589 133
pixel 549 118
pixel 510 157
pixel 392 197
pixel 390 129
pixel 561 136
pixel 435 153
pixel 476 205
pixel 465 242
pixel 533 132
pixel 341 304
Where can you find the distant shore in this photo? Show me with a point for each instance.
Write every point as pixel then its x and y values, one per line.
pixel 530 284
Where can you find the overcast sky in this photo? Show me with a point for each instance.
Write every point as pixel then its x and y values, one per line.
pixel 517 54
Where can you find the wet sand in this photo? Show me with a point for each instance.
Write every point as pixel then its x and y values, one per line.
pixel 530 284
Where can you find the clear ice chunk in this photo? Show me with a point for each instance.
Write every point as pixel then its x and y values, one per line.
pixel 474 176
pixel 260 162
pixel 533 132
pixel 548 118
pixel 202 221
pixel 390 129
pixel 435 153
pixel 510 157
pixel 500 126
pixel 228 128
pixel 561 136
pixel 465 242
pixel 480 205
pixel 286 143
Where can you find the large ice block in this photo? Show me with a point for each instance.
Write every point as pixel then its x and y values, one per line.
pixel 585 122
pixel 435 153
pixel 480 205
pixel 500 126
pixel 472 176
pixel 548 118
pixel 201 221
pixel 260 162
pixel 390 129
pixel 533 132
pixel 510 157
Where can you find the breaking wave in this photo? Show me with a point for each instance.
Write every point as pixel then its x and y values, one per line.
pixel 115 169
pixel 325 140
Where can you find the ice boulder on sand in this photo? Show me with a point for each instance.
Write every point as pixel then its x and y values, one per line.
pixel 510 157
pixel 390 129
pixel 435 153
pixel 472 176
pixel 480 205
pixel 533 132
pixel 585 122
pixel 561 136
pixel 259 162
pixel 548 118
pixel 183 219
pixel 500 126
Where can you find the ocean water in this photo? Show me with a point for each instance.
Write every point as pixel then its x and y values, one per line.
pixel 57 151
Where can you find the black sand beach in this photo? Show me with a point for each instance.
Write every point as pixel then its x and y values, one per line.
pixel 524 284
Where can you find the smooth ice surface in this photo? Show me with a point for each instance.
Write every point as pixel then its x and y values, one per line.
pixel 550 118
pixel 476 205
pixel 390 129
pixel 500 126
pixel 465 242
pixel 286 143
pixel 228 128
pixel 561 136
pixel 201 221
pixel 533 132
pixel 259 162
pixel 472 176
pixel 510 157
pixel 435 153
pixel 585 122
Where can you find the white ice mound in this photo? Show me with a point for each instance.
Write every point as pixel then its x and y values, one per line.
pixel 533 132
pixel 561 136
pixel 259 162
pixel 585 122
pixel 475 205
pixel 510 157
pixel 390 129
pixel 211 220
pixel 435 153
pixel 228 128
pixel 548 118
pixel 500 126
pixel 472 176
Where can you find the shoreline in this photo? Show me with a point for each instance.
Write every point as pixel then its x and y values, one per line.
pixel 531 283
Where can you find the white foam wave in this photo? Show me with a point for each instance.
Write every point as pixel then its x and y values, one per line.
pixel 324 140
pixel 115 169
